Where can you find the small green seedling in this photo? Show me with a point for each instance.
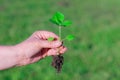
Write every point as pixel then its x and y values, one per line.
pixel 59 20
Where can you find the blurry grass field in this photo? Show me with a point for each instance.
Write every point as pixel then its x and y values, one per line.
pixel 93 55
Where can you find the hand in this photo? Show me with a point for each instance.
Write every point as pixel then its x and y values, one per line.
pixel 37 47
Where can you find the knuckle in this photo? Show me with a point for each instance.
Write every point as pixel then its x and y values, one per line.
pixel 52 33
pixel 36 32
pixel 43 31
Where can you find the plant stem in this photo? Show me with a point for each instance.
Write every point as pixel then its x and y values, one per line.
pixel 64 39
pixel 60 32
pixel 59 36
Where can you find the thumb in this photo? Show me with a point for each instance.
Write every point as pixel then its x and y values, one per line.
pixel 52 44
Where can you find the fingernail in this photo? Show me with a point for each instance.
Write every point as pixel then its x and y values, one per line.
pixel 57 43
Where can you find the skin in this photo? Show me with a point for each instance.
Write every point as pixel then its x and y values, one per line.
pixel 35 48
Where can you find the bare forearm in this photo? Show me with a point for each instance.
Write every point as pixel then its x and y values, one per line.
pixel 8 57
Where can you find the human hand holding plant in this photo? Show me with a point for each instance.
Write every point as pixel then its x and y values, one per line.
pixel 31 50
pixel 37 47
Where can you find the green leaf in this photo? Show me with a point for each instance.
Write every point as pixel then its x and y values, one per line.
pixel 50 39
pixel 60 16
pixel 70 37
pixel 54 20
pixel 57 18
pixel 66 23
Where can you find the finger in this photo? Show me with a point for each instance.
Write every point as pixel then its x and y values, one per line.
pixel 39 55
pixel 61 47
pixel 48 44
pixel 52 52
pixel 56 51
pixel 62 51
pixel 46 34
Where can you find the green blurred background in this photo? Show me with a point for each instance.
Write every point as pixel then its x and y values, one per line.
pixel 93 55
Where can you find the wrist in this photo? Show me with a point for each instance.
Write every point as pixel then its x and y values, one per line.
pixel 21 51
pixel 19 54
pixel 16 54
